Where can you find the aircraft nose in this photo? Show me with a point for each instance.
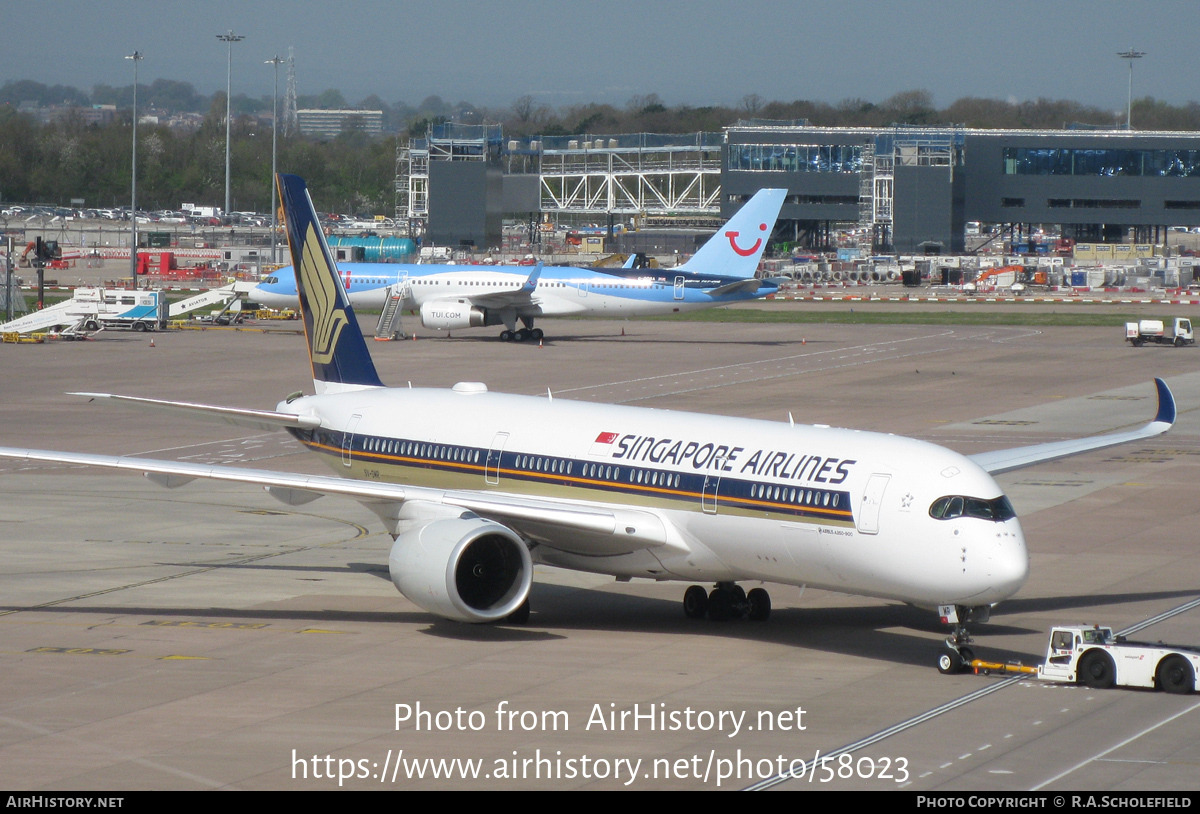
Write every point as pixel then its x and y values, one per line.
pixel 267 298
pixel 1010 559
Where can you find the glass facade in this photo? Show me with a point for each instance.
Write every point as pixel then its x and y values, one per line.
pixel 1104 163
pixel 796 157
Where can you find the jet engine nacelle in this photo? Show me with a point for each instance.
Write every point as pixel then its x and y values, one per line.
pixel 446 315
pixel 464 568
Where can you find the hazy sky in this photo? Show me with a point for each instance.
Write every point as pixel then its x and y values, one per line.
pixel 564 51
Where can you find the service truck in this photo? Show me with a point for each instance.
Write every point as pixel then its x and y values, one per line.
pixel 1092 655
pixel 1155 331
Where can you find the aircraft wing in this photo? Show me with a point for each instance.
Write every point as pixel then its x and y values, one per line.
pixel 1006 460
pixel 513 297
pixel 253 419
pixel 595 530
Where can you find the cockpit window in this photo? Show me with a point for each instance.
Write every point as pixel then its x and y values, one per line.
pixel 271 280
pixel 952 506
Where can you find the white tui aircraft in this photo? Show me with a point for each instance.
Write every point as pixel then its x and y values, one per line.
pixel 449 297
pixel 487 484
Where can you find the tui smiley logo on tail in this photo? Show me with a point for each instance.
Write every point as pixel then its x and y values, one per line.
pixel 762 227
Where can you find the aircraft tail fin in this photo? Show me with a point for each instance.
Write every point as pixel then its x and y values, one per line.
pixel 736 248
pixel 336 348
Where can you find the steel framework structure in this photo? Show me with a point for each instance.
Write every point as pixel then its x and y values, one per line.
pixel 601 176
pixel 412 185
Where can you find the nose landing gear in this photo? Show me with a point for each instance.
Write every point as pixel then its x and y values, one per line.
pixel 726 601
pixel 960 655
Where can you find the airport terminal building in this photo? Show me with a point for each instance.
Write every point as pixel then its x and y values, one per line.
pixel 914 189
pixel 904 189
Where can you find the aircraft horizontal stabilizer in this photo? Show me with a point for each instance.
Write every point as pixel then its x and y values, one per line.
pixel 253 419
pixel 595 530
pixel 1006 460
pixel 747 286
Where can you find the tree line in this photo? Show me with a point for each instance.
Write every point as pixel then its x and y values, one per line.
pixel 65 159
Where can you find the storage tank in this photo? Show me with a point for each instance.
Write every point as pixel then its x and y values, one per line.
pixel 376 249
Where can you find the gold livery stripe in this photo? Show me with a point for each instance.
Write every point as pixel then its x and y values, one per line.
pixel 563 479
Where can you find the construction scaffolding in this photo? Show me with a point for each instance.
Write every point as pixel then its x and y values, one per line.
pixel 442 142
pixel 640 173
pixel 628 174
pixel 412 186
pixel 899 147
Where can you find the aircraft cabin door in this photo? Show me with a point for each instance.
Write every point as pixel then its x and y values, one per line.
pixel 708 496
pixel 679 287
pixel 872 499
pixel 491 468
pixel 405 288
pixel 348 440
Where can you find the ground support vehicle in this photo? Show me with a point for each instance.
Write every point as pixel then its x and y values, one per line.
pixel 92 309
pixel 1154 331
pixel 1093 656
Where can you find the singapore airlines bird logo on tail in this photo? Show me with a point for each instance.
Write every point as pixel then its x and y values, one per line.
pixel 328 319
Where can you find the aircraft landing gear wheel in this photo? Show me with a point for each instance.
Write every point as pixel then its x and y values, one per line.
pixel 950 662
pixel 506 336
pixel 967 655
pixel 1175 675
pixel 521 335
pixel 695 602
pixel 536 334
pixel 520 616
pixel 719 609
pixel 1096 670
pixel 760 605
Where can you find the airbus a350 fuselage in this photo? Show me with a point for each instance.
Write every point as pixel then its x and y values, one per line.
pixel 731 499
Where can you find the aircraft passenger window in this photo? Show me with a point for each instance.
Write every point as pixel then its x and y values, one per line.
pixel 835 499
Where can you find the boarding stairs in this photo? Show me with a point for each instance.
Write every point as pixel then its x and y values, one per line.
pixel 225 295
pixel 389 326
pixel 73 316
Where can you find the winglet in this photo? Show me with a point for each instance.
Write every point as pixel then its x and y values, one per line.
pixel 531 283
pixel 1166 404
pixel 1006 460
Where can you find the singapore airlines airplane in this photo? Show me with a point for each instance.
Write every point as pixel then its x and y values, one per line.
pixel 475 486
pixel 449 297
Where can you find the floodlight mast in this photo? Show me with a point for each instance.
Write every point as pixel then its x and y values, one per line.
pixel 1130 55
pixel 229 39
pixel 137 57
pixel 275 60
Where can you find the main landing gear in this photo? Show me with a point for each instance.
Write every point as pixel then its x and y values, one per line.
pixel 726 601
pixel 523 335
